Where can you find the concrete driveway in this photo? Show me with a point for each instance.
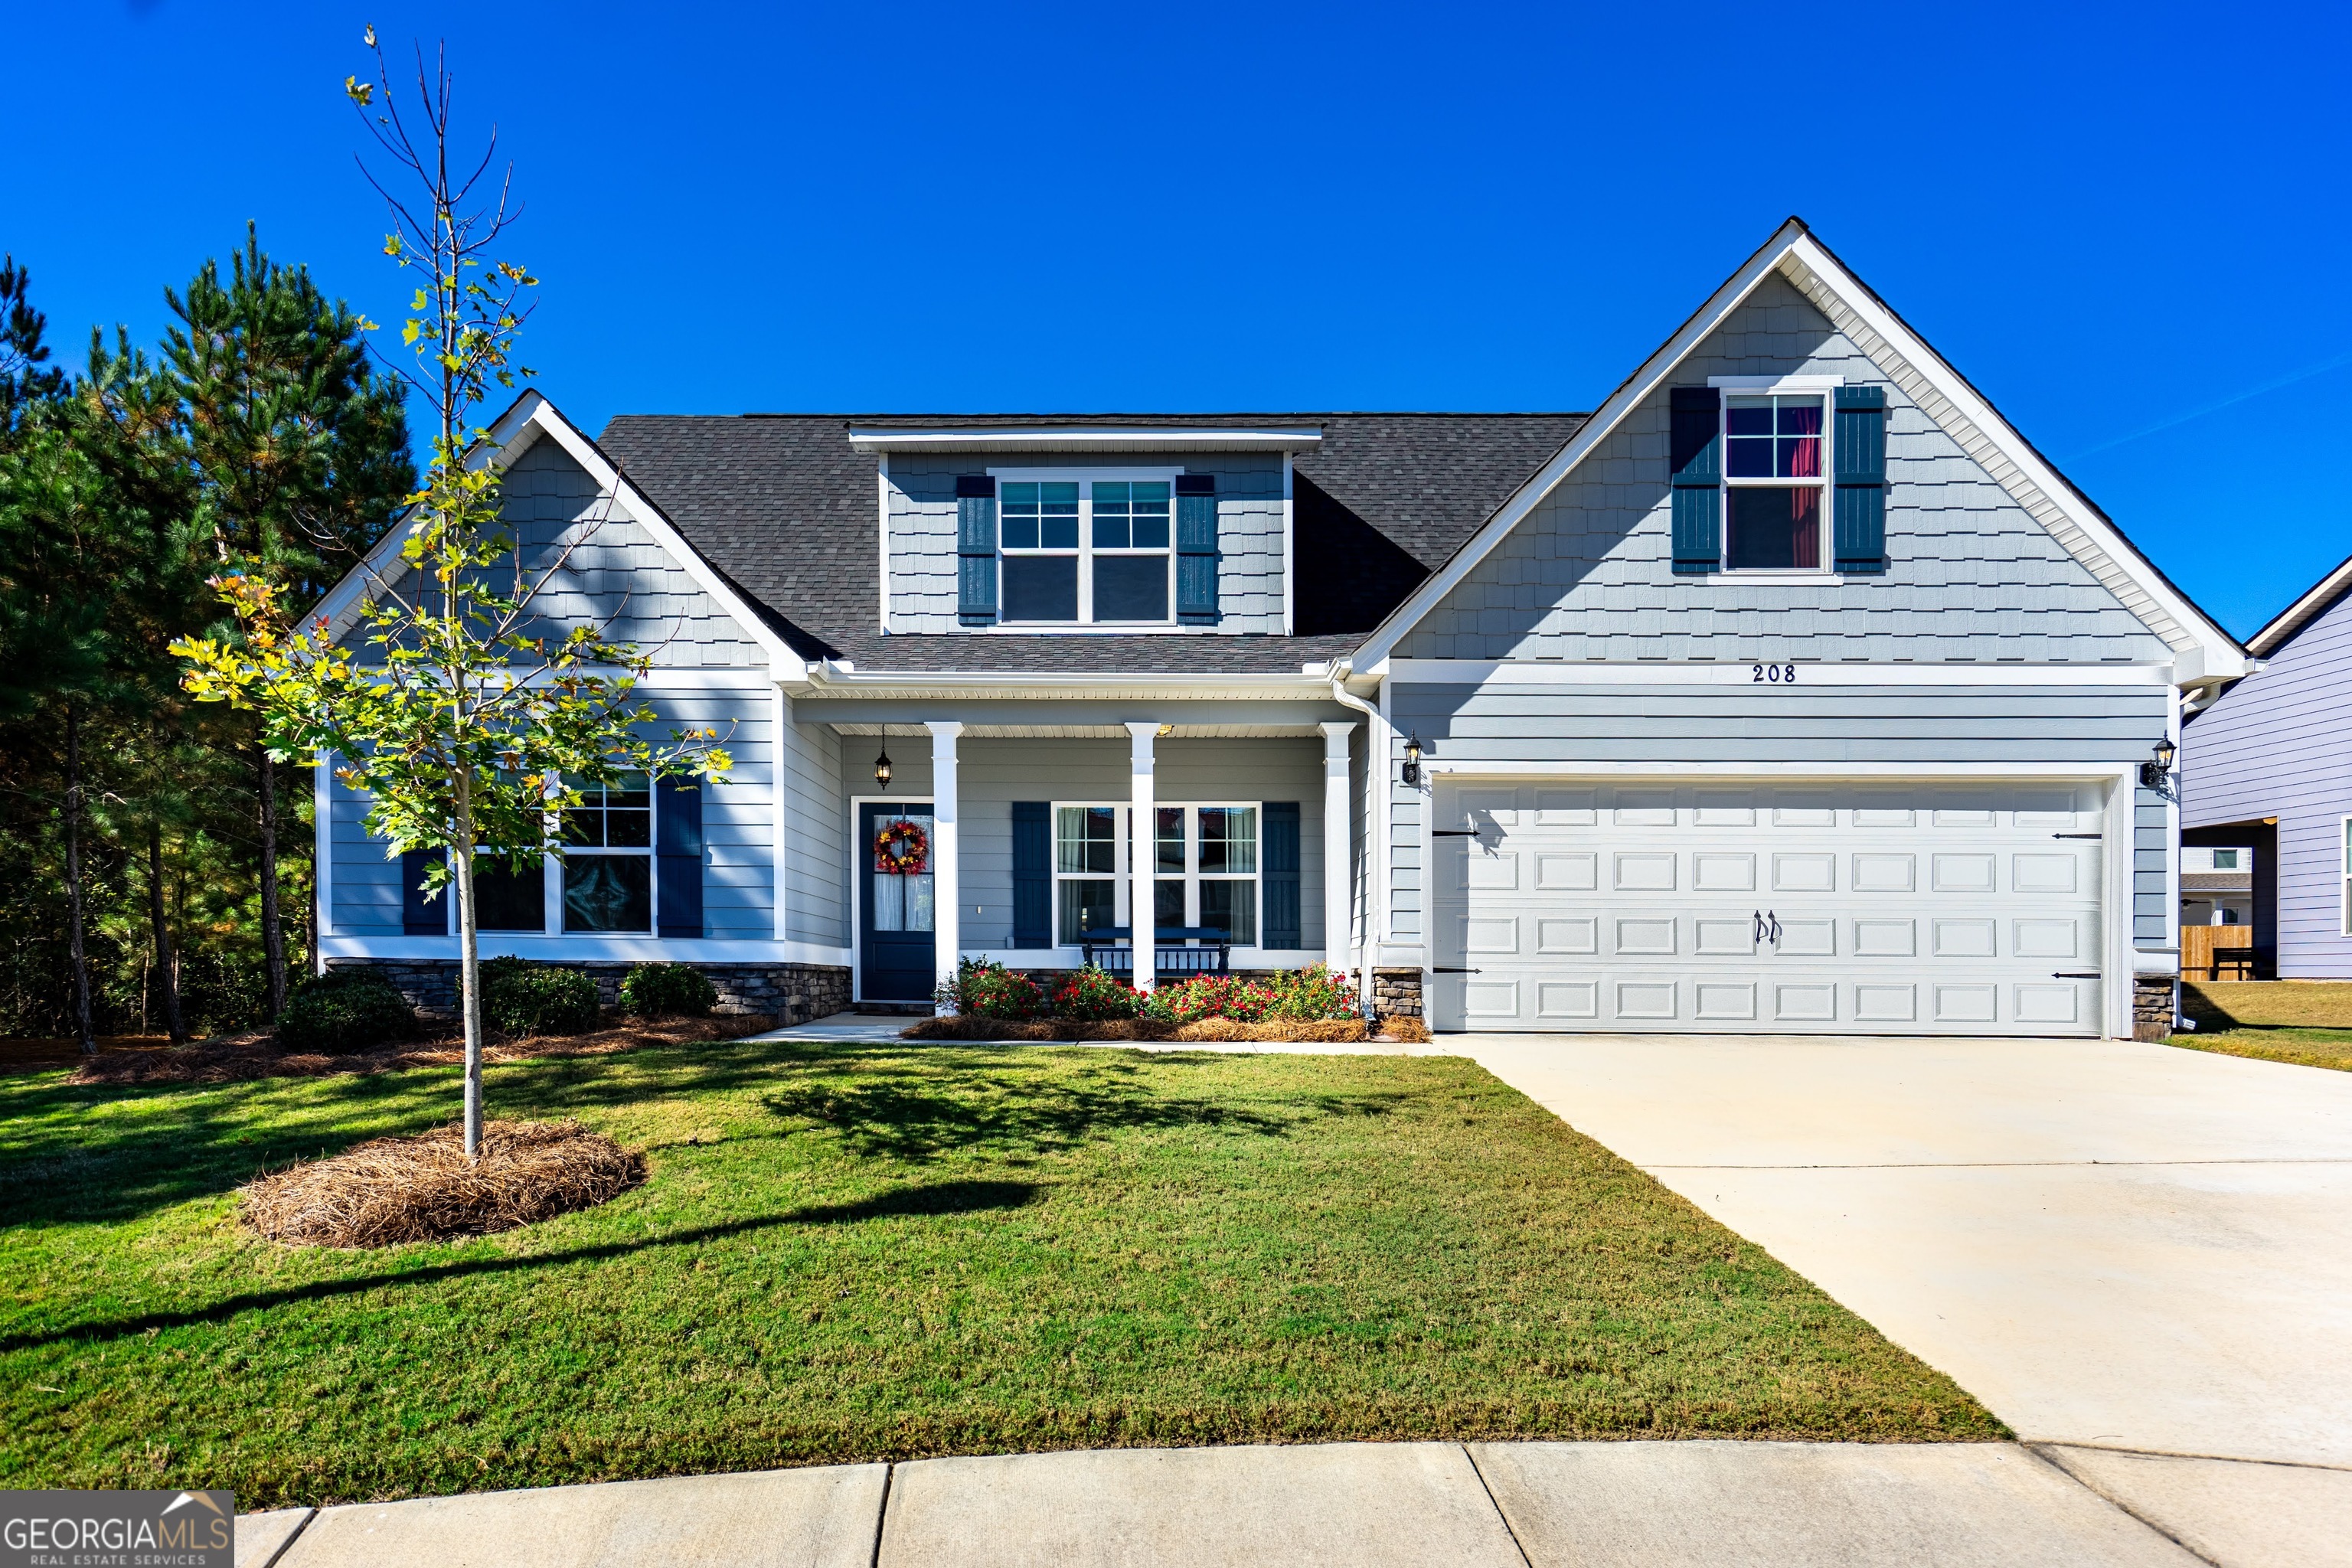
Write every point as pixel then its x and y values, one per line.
pixel 2122 1249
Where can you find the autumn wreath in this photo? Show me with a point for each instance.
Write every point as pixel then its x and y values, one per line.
pixel 902 849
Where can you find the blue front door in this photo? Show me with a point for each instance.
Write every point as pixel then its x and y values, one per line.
pixel 893 902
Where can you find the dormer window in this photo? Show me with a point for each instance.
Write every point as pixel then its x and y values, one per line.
pixel 1077 549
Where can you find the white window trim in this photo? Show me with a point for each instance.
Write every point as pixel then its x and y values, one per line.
pixel 1086 479
pixel 1122 909
pixel 1192 876
pixel 1122 883
pixel 651 852
pixel 1825 388
pixel 2344 874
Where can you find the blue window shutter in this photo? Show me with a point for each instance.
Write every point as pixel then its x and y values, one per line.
pixel 975 550
pixel 1280 848
pixel 1696 451
pixel 1033 874
pixel 419 918
pixel 1859 525
pixel 1196 549
pixel 678 843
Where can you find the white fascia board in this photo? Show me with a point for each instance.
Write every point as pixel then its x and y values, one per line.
pixel 830 680
pixel 2112 554
pixel 1629 395
pixel 2203 651
pixel 529 419
pixel 1923 773
pixel 1743 673
pixel 2291 620
pixel 1089 438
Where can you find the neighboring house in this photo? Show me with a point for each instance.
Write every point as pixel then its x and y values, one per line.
pixel 2267 768
pixel 2217 885
pixel 1788 690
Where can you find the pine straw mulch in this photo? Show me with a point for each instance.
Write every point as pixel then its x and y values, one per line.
pixel 393 1190
pixel 1220 1031
pixel 255 1054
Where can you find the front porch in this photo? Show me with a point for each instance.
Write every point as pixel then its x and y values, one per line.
pixel 1036 846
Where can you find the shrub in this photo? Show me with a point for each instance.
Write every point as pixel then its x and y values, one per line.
pixel 1210 997
pixel 1092 995
pixel 520 997
pixel 985 988
pixel 667 990
pixel 1313 994
pixel 344 1010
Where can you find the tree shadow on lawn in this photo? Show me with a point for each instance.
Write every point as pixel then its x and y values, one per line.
pixel 164 1144
pixel 930 1200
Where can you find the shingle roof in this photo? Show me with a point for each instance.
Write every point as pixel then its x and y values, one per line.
pixel 786 510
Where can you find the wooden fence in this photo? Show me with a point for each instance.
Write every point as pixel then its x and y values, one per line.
pixel 2216 953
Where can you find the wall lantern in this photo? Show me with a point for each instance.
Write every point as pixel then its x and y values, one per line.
pixel 2155 774
pixel 882 762
pixel 1412 762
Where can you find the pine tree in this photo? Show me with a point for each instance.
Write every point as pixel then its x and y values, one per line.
pixel 25 377
pixel 299 453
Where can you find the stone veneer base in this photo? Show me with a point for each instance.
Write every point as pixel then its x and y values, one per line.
pixel 792 994
pixel 2155 1002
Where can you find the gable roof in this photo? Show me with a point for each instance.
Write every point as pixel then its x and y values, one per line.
pixel 784 508
pixel 2313 604
pixel 2201 650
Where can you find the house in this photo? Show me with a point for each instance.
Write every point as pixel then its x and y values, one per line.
pixel 1790 689
pixel 2264 772
pixel 2216 884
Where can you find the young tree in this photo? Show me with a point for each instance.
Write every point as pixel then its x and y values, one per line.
pixel 464 721
pixel 299 455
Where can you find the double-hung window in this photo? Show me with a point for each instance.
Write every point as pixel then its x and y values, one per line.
pixel 1085 551
pixel 608 857
pixel 1773 467
pixel 1204 870
pixel 2347 869
pixel 1090 866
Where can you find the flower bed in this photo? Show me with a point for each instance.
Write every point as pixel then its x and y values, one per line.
pixel 994 1003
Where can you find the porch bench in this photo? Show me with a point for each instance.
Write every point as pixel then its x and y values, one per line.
pixel 1111 949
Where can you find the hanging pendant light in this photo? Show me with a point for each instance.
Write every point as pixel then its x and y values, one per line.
pixel 882 762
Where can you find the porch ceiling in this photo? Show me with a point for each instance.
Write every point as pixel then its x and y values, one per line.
pixel 902 729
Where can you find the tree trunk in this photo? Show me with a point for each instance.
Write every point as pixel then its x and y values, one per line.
pixel 85 1029
pixel 273 931
pixel 469 964
pixel 164 974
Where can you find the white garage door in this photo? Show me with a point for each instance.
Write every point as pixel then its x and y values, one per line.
pixel 1835 908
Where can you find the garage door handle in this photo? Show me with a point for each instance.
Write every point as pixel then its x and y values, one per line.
pixel 1453 833
pixel 1443 970
pixel 2076 974
pixel 2078 836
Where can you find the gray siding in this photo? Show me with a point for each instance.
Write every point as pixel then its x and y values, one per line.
pixel 990 774
pixel 2275 745
pixel 738 879
pixel 816 842
pixel 1669 725
pixel 615 574
pixel 1971 574
pixel 921 497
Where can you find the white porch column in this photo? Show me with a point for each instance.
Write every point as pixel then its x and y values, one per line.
pixel 1338 836
pixel 947 886
pixel 1140 852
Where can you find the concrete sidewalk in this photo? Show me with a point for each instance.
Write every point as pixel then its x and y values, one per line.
pixel 1351 1505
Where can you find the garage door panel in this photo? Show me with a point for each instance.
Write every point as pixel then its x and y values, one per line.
pixel 1723 872
pixel 1643 935
pixel 1639 872
pixel 1886 871
pixel 1945 909
pixel 1807 938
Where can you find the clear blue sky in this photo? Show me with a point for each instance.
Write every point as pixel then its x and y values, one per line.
pixel 2109 216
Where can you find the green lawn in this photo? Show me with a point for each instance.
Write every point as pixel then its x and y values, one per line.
pixel 859 1253
pixel 2306 1022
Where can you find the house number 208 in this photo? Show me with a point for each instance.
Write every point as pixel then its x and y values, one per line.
pixel 1776 673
